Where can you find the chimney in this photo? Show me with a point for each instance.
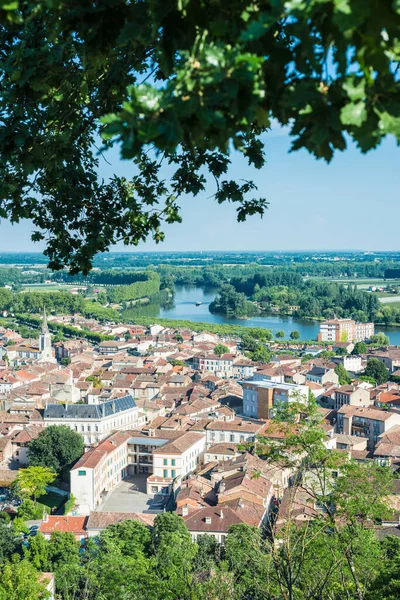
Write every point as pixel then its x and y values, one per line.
pixel 241 504
pixel 45 517
pixel 221 514
pixel 222 487
pixel 185 511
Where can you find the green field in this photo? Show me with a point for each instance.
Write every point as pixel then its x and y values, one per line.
pixel 47 287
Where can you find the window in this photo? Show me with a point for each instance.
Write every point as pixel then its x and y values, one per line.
pixel 154 489
pixel 81 473
pixel 173 473
pixel 165 461
pixel 165 472
pixel 173 462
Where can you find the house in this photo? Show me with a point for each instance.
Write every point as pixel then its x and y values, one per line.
pixel 112 347
pixel 351 395
pixel 74 525
pixel 234 431
pixel 388 446
pixel 347 346
pixel 227 497
pixel 99 521
pixel 95 421
pixel 350 362
pixel 322 375
pixel 389 357
pixel 260 398
pixel 214 521
pixel 366 422
pixel 20 442
pixel 243 369
pixel 284 360
pixel 389 399
pixel 214 363
pixel 221 452
pixel 270 372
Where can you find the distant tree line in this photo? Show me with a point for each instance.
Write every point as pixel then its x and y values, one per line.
pixel 310 298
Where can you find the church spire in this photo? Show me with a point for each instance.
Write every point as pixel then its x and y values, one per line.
pixel 45 328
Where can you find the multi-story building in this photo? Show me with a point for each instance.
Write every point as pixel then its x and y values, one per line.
pixel 236 431
pixel 95 421
pixel 351 395
pixel 175 460
pixel 99 470
pixel 365 422
pixel 260 398
pixel 322 375
pixel 389 357
pixel 215 364
pixel 351 362
pixel 345 330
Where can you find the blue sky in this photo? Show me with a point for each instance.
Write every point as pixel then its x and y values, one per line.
pixel 353 203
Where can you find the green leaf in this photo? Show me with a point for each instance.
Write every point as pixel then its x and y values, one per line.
pixel 353 114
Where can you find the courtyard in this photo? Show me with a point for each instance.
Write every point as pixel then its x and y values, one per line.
pixel 130 496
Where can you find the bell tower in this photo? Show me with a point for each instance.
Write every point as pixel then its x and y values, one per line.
pixel 45 341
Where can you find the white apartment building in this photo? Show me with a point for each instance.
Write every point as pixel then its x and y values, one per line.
pixel 99 471
pixel 351 362
pixel 222 365
pixel 95 422
pixel 260 397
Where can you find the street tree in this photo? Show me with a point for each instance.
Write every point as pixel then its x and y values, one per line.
pixel 221 349
pixel 280 334
pixel 161 81
pixel 295 335
pixel 342 373
pixel 32 482
pixel 57 447
pixel 360 348
pixel 380 339
pixel 19 580
pixel 377 370
pixel 321 545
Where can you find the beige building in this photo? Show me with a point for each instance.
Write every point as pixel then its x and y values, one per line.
pixel 351 395
pixel 175 460
pixel 366 422
pixel 345 330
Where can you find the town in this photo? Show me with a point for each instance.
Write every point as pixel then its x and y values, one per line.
pixel 167 420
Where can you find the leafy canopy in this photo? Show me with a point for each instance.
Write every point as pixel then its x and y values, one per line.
pixel 183 84
pixel 32 481
pixel 57 447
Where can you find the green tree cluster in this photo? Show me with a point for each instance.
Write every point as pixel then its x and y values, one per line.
pixel 376 370
pixel 231 303
pixel 220 349
pixel 57 447
pixel 134 291
pixel 344 377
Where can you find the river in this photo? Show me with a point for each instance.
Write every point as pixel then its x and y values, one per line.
pixel 184 307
